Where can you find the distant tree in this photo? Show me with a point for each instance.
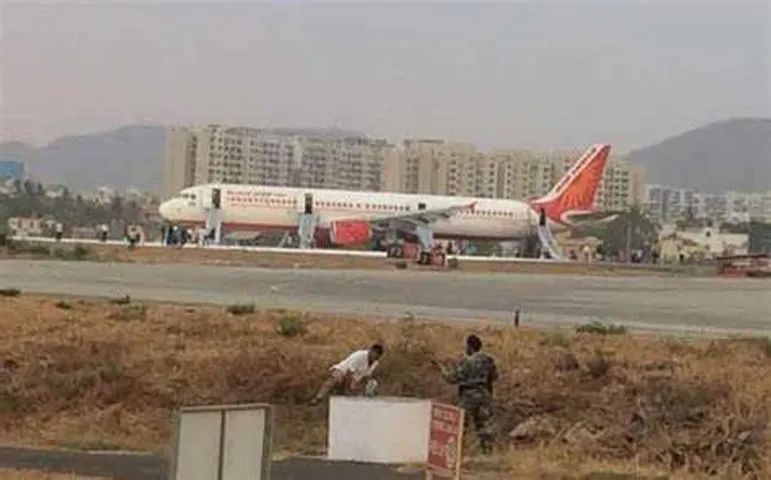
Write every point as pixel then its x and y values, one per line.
pixel 631 230
pixel 530 245
pixel 116 206
pixel 29 188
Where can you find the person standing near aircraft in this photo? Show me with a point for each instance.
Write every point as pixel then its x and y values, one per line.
pixel 346 376
pixel 474 376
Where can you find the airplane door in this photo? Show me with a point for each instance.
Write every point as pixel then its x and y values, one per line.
pixel 421 205
pixel 308 203
pixel 216 198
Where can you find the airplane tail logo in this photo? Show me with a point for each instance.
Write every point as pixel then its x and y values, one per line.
pixel 577 188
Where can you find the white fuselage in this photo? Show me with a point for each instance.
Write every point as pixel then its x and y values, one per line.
pixel 255 207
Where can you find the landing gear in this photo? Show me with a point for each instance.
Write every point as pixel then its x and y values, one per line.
pixel 411 252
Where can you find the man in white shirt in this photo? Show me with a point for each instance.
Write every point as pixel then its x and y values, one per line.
pixel 351 372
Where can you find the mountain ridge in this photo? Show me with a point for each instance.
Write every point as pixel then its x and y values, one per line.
pixel 733 154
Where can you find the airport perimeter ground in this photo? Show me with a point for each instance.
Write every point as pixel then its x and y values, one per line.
pixel 98 374
pixel 90 374
pixel 69 249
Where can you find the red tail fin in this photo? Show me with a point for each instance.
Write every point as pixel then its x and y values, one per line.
pixel 576 190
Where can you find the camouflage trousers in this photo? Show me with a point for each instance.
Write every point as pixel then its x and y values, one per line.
pixel 477 405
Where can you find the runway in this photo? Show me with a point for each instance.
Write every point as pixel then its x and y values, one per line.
pixel 710 305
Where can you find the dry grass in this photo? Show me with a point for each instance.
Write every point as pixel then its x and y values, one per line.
pixel 97 374
pixel 38 475
pixel 296 259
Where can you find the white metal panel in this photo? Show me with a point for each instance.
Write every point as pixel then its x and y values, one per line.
pixel 244 444
pixel 378 430
pixel 198 448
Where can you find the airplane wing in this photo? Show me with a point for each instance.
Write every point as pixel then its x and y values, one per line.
pixel 593 217
pixel 419 217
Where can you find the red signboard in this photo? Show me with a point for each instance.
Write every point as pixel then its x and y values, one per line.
pixel 445 441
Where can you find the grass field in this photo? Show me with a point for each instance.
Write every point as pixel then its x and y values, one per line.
pixel 96 374
pixel 297 259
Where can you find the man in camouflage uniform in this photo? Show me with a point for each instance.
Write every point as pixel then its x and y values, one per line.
pixel 474 376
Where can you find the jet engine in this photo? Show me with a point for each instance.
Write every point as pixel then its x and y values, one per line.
pixel 349 232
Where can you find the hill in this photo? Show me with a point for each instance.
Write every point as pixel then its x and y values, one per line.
pixel 129 156
pixel 729 155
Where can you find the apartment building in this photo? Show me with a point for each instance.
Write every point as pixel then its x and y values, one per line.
pixel 433 167
pixel 179 160
pixel 347 163
pixel 622 185
pixel 670 204
pixel 666 204
pixel 244 155
pixel 451 168
pixel 523 174
pixel 745 207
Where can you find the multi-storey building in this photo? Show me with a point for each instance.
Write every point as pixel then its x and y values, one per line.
pixel 668 204
pixel 523 174
pixel 433 167
pixel 745 207
pixel 450 168
pixel 217 153
pixel 179 160
pixel 711 206
pixel 621 185
pixel 671 204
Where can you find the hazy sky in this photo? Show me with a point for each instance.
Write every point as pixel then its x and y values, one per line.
pixel 545 75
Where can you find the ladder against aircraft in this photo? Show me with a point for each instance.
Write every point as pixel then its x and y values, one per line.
pixel 214 216
pixel 549 243
pixel 214 224
pixel 306 229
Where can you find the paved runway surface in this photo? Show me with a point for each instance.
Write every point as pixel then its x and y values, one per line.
pixel 697 304
pixel 145 467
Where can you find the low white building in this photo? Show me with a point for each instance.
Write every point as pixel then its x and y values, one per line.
pixel 699 243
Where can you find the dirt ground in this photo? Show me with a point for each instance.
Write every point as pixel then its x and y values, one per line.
pixel 295 259
pixel 8 474
pixel 96 374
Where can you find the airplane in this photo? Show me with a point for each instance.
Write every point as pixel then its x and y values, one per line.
pixel 351 217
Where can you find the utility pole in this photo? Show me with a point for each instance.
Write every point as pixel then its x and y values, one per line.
pixel 628 241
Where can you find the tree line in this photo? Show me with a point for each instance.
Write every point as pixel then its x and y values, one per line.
pixel 30 199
